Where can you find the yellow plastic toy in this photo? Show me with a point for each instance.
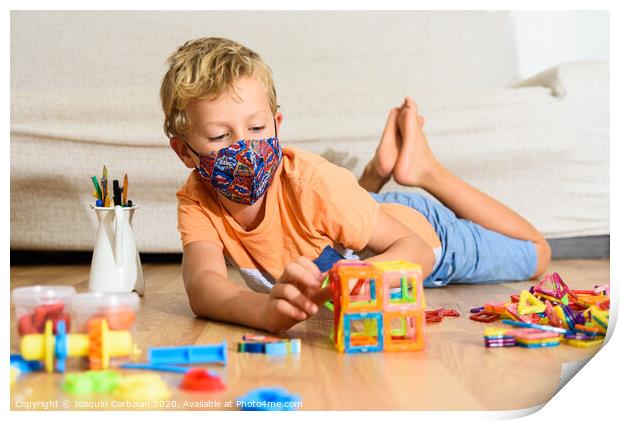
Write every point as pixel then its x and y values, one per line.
pixel 599 317
pixel 529 304
pixel 368 315
pixel 142 387
pixel 584 344
pixel 14 374
pixel 100 345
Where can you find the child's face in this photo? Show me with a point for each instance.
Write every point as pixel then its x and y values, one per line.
pixel 218 123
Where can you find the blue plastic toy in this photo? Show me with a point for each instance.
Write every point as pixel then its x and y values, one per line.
pixel 251 347
pixel 25 366
pixel 191 354
pixel 267 399
pixel 292 346
pixel 155 367
pixel 61 346
pixel 276 348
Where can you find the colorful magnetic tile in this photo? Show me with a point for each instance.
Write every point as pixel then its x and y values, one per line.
pixel 499 344
pixel 592 299
pixel 261 338
pixel 484 317
pixel 552 285
pixel 412 339
pixel 508 341
pixel 363 301
pixel 560 313
pixel 599 317
pixel 535 334
pixel 602 289
pixel 529 304
pixel 276 348
pixel 537 341
pixel 281 347
pixel 499 307
pixel 499 338
pixel 287 347
pixel 534 326
pixel 552 316
pixel 294 346
pixel 584 344
pixel 362 343
pixel 569 316
pixel 538 344
pixel 409 277
pixel 604 305
pixel 251 347
pixel 513 313
pixel 497 331
pixel 582 336
pixel 590 329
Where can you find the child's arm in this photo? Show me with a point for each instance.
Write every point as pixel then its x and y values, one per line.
pixel 211 294
pixel 391 240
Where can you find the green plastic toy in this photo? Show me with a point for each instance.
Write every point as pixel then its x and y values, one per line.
pixel 91 382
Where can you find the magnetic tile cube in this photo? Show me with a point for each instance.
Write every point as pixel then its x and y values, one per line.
pixel 366 307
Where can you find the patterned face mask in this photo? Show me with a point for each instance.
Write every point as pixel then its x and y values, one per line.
pixel 243 171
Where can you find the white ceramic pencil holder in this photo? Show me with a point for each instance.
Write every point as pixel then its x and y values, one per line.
pixel 116 265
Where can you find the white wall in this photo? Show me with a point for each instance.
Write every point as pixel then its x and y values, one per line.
pixel 547 38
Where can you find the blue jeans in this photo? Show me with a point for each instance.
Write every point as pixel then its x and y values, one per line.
pixel 470 254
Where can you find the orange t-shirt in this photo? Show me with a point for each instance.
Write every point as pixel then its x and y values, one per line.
pixel 310 204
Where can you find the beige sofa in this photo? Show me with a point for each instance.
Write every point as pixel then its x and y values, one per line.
pixel 84 92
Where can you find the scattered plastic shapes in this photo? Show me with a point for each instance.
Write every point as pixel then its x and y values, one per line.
pixel 549 313
pixel 436 316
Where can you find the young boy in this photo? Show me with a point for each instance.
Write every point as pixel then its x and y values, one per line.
pixel 284 216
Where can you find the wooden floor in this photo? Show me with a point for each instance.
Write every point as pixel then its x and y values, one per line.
pixel 454 372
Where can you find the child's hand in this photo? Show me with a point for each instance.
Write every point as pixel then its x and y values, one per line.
pixel 292 298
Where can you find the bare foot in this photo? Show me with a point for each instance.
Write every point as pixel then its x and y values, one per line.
pixel 386 153
pixel 379 170
pixel 415 160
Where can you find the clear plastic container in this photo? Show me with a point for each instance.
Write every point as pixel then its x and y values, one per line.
pixel 36 304
pixel 119 309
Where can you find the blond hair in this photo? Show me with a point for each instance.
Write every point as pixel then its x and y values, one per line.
pixel 206 68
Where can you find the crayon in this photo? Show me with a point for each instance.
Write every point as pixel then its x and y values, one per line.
pixel 96 184
pixel 117 193
pixel 125 186
pixel 104 183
